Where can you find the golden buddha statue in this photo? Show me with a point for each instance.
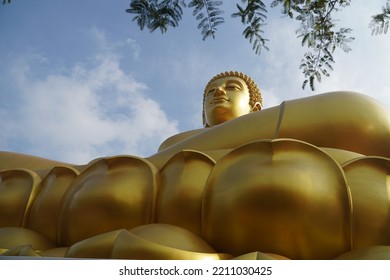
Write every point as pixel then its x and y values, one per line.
pixel 308 179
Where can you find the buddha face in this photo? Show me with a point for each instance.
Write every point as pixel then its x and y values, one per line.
pixel 226 98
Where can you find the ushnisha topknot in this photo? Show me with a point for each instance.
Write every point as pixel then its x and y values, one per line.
pixel 254 92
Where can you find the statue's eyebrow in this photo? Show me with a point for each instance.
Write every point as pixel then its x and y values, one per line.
pixel 235 82
pixel 210 90
pixel 212 86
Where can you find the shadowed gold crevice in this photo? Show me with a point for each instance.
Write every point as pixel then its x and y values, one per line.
pixel 18 189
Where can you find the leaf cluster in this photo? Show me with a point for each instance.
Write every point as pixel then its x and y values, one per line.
pixel 380 22
pixel 317 26
pixel 154 14
pixel 161 14
pixel 253 16
pixel 318 33
pixel 209 16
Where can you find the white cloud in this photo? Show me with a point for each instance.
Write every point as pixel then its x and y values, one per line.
pixel 134 47
pixel 94 109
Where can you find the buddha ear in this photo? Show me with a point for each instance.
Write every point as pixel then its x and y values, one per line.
pixel 256 107
pixel 204 120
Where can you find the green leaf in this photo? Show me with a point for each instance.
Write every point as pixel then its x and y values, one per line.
pixel 208 15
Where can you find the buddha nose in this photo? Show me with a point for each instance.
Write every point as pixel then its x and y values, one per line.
pixel 219 91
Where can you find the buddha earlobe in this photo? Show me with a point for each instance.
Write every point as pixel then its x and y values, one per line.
pixel 204 120
pixel 256 107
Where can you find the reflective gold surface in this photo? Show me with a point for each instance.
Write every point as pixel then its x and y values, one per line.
pixel 181 190
pixel 369 181
pixel 285 186
pixel 111 193
pixel 309 179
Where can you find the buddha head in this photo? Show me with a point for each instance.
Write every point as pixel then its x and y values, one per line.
pixel 229 95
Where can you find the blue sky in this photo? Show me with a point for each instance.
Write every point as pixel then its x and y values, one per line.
pixel 79 80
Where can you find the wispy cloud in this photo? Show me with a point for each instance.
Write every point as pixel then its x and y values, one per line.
pixel 91 110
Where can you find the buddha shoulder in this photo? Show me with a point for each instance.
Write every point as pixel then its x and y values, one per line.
pixel 179 137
